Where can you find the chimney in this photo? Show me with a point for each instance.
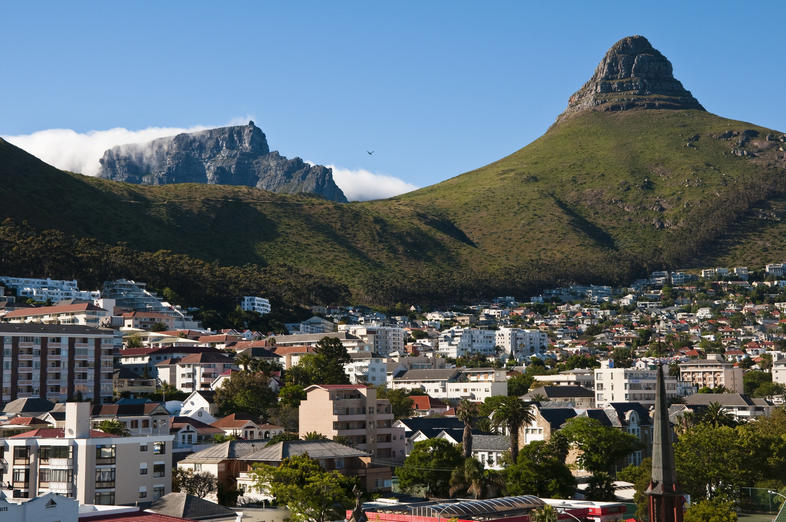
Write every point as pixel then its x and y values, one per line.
pixel 77 420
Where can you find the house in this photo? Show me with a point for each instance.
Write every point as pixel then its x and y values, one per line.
pixel 349 341
pixel 487 448
pixel 424 405
pixel 475 384
pixel 352 412
pixel 196 371
pixel 187 432
pixel 49 506
pixel 247 427
pixel 144 361
pixel 148 320
pixel 150 418
pixel 366 368
pixel 712 373
pixel 738 405
pixel 418 429
pixel 124 381
pixel 568 396
pixel 200 405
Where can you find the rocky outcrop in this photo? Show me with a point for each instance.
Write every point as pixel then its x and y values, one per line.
pixel 632 75
pixel 224 156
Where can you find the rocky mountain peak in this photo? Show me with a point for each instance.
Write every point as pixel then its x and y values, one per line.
pixel 237 155
pixel 632 75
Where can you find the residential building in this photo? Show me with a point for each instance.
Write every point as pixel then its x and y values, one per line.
pixel 126 381
pixel 779 371
pixel 196 371
pixel 148 320
pixel 712 373
pixel 522 344
pixel 85 314
pixel 49 506
pixel 568 396
pixel 44 290
pixel 418 429
pixel 475 384
pixel 316 325
pixel 91 466
pixel 461 342
pixel 775 269
pixel 578 377
pixel 352 412
pixel 633 385
pixel 134 296
pixel 366 368
pixel 251 303
pixel 201 406
pixel 381 339
pixel 144 361
pixel 349 341
pixel 247 427
pixel 56 362
pixel 150 418
pixel 738 405
pixel 187 432
pixel 424 405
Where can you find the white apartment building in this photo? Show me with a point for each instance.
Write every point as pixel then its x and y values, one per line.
pixel 775 269
pixel 381 339
pixel 522 344
pixel 633 385
pixel 460 342
pixel 196 371
pixel 712 373
pixel 251 303
pixel 85 314
pixel 55 362
pixel 577 377
pixel 48 289
pixel 474 384
pixel 91 466
pixel 349 341
pixel 779 371
pixel 365 368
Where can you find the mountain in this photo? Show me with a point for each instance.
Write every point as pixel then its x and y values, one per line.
pixel 634 176
pixel 225 156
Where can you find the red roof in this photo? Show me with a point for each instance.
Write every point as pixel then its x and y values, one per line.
pixel 339 386
pixel 57 309
pixel 24 421
pixel 148 315
pixel 56 433
pixel 235 420
pixel 424 402
pixel 218 338
pixel 286 350
pixel 134 516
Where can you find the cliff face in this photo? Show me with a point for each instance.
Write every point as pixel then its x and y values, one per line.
pixel 632 75
pixel 224 156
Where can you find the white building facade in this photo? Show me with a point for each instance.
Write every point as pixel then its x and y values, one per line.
pixel 522 344
pixel 252 303
pixel 461 342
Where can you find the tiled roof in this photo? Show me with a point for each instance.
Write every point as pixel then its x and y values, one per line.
pixel 189 507
pixel 24 421
pixel 206 357
pixel 235 420
pixel 315 449
pixel 56 309
pixel 56 433
pixel 232 449
pixel 134 516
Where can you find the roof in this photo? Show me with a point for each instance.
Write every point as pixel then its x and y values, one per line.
pixel 431 426
pixel 24 421
pixel 220 338
pixel 557 417
pixel 312 338
pixel 622 409
pixel 189 507
pixel 165 350
pixel 134 516
pixel 232 449
pixel 56 309
pixel 424 402
pixel 567 391
pixel 337 387
pixel 724 399
pixel 323 449
pixel 56 433
pixel 178 423
pixel 63 329
pixel 286 350
pixel 235 420
pixel 121 410
pixel 490 443
pixel 428 375
pixel 206 357
pixel 28 404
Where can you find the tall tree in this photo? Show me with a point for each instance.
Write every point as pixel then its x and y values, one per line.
pixel 540 470
pixel 400 402
pixel 466 412
pixel 512 412
pixel 472 478
pixel 310 493
pixel 602 447
pixel 429 467
pixel 246 392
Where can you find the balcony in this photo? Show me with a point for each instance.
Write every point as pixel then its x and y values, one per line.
pixel 57 463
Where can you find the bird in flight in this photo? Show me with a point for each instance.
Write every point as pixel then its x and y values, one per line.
pixel 369 152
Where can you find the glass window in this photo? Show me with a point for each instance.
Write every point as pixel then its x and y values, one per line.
pixel 20 475
pixel 143 447
pixel 159 470
pixel 105 497
pixel 105 475
pixel 143 468
pixel 159 448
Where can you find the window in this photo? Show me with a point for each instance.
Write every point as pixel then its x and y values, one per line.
pixel 105 477
pixel 21 454
pixel 21 475
pixel 143 468
pixel 159 470
pixel 143 492
pixel 105 497
pixel 143 447
pixel 55 452
pixel 197 467
pixel 159 448
pixel 158 492
pixel 55 475
pixel 145 423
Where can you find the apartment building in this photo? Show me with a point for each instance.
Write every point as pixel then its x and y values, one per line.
pixel 349 341
pixel 522 344
pixel 85 314
pixel 251 303
pixel 143 361
pixel 366 368
pixel 381 339
pixel 460 342
pixel 196 371
pixel 474 384
pixel 147 320
pixel 55 362
pixel 43 290
pixel 712 373
pixel 352 411
pixel 91 466
pixel 614 385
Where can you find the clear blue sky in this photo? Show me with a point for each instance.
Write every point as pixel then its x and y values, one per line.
pixel 435 88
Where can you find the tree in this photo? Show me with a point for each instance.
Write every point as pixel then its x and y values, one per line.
pixel 291 395
pixel 243 360
pixel 134 341
pixel 428 468
pixel 282 437
pixel 473 479
pixel 400 402
pixel 715 415
pixel 310 493
pixel 602 447
pixel 754 379
pixel 713 510
pixel 519 384
pixel 540 470
pixel 466 413
pixel 544 513
pixel 158 326
pixel 640 477
pixel 512 413
pixel 246 392
pixel 314 436
pixel 325 366
pixel 197 484
pixel 622 357
pixel 114 427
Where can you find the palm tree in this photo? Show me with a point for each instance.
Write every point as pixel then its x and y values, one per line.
pixel 466 413
pixel 512 412
pixel 244 360
pixel 544 514
pixel 717 417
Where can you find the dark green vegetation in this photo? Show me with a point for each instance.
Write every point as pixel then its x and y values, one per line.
pixel 601 197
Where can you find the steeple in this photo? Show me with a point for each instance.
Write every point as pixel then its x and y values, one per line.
pixel 665 501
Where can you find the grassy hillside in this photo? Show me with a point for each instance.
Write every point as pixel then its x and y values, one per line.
pixel 599 197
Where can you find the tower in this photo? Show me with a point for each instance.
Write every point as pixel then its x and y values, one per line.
pixel 665 499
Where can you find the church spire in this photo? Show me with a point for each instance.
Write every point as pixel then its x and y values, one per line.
pixel 665 500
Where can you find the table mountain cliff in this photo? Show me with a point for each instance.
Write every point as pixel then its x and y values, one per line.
pixel 236 155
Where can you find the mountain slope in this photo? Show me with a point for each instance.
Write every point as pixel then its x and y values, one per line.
pixel 614 189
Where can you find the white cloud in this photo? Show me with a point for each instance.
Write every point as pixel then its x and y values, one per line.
pixel 79 152
pixel 363 185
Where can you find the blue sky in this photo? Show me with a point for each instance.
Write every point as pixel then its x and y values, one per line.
pixel 434 88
